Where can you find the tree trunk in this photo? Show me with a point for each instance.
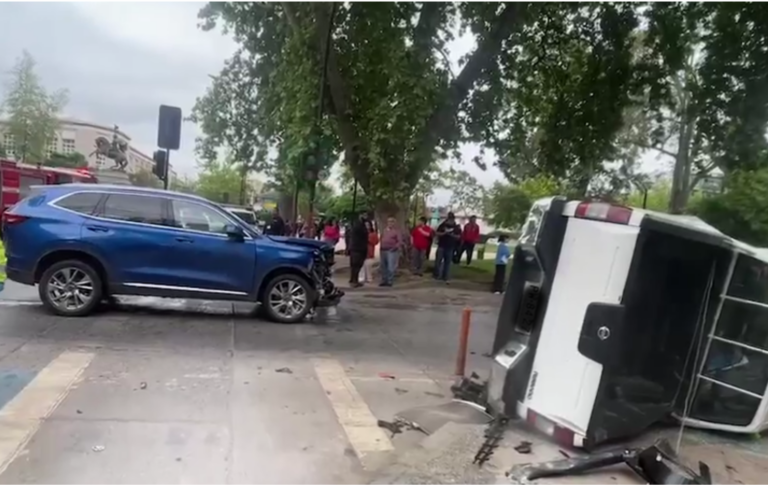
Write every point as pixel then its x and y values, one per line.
pixel 681 175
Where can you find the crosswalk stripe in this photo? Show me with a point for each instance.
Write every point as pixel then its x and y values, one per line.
pixel 22 416
pixel 353 414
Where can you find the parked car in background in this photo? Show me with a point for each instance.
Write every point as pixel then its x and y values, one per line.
pixel 82 243
pixel 244 214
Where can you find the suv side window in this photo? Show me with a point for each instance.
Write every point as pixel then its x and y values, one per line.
pixel 197 217
pixel 135 208
pixel 82 202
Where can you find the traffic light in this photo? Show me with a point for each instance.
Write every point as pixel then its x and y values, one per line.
pixel 161 164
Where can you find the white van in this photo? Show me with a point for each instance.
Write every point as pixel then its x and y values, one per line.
pixel 615 318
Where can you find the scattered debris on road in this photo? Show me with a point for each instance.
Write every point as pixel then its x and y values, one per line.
pixel 494 433
pixel 143 386
pixel 98 448
pixel 387 375
pixel 401 391
pixel 434 394
pixel 284 370
pixel 524 447
pixel 397 426
pixel 656 464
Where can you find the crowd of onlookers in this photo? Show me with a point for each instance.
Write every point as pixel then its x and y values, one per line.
pixel 361 236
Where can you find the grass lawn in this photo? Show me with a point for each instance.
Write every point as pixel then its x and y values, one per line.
pixel 478 272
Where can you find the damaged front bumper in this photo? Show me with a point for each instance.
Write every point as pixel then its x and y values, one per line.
pixel 328 294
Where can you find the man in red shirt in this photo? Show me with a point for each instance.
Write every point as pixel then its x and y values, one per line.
pixel 421 237
pixel 469 237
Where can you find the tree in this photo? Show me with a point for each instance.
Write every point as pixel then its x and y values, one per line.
pixel 220 181
pixel 393 99
pixel 69 160
pixel 507 205
pixel 32 111
pixel 741 211
pixel 467 194
pixel 145 178
pixel 184 184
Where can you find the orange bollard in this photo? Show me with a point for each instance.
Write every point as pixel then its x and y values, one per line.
pixel 461 357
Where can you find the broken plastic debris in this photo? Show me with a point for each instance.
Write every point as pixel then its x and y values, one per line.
pixel 386 375
pixel 98 448
pixel 284 370
pixel 143 386
pixel 524 447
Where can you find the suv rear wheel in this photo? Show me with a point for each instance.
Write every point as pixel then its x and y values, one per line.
pixel 287 298
pixel 70 288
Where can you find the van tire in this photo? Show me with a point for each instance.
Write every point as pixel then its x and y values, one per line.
pixel 292 283
pixel 45 289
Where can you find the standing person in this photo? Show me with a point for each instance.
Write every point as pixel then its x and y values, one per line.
pixel 448 236
pixel 332 233
pixel 391 242
pixel 320 228
pixel 277 226
pixel 502 258
pixel 3 262
pixel 366 276
pixel 347 236
pixel 469 237
pixel 358 249
pixel 421 238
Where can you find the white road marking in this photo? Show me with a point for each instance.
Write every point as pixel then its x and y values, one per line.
pixel 352 412
pixel 19 303
pixel 22 416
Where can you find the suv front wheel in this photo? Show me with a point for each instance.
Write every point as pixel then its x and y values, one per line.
pixel 70 288
pixel 287 298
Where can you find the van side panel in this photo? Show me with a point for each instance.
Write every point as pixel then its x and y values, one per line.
pixel 593 267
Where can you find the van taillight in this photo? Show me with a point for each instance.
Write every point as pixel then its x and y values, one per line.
pixel 11 219
pixel 600 211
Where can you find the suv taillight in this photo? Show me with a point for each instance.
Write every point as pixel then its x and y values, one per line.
pixel 10 219
pixel 601 211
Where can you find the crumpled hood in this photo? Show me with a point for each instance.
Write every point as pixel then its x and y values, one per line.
pixel 299 241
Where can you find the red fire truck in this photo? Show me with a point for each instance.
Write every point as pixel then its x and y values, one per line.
pixel 17 178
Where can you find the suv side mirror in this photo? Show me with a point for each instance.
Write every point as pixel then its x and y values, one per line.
pixel 234 232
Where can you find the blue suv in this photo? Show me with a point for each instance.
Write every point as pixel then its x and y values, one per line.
pixel 83 244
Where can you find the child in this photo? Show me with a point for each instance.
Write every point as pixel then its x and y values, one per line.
pixel 502 258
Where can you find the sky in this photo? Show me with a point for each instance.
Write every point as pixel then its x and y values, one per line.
pixel 121 61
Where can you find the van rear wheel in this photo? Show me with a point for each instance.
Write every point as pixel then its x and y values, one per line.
pixel 70 288
pixel 287 298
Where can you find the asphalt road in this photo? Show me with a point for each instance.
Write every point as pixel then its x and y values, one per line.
pixel 201 392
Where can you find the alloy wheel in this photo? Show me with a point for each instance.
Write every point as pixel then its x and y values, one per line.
pixel 288 298
pixel 70 289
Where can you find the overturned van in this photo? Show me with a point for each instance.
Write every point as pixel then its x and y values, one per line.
pixel 616 318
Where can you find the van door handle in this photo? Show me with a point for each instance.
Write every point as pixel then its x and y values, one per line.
pixel 97 228
pixel 185 239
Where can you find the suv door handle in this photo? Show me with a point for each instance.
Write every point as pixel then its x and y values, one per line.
pixel 185 239
pixel 97 228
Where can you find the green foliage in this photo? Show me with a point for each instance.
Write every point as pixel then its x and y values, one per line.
pixel 467 194
pixel 741 211
pixel 69 160
pixel 220 181
pixel 341 207
pixel 184 184
pixel 392 97
pixel 31 110
pixel 145 178
pixel 508 204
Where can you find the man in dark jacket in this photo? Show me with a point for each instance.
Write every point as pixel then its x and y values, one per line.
pixel 277 226
pixel 358 249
